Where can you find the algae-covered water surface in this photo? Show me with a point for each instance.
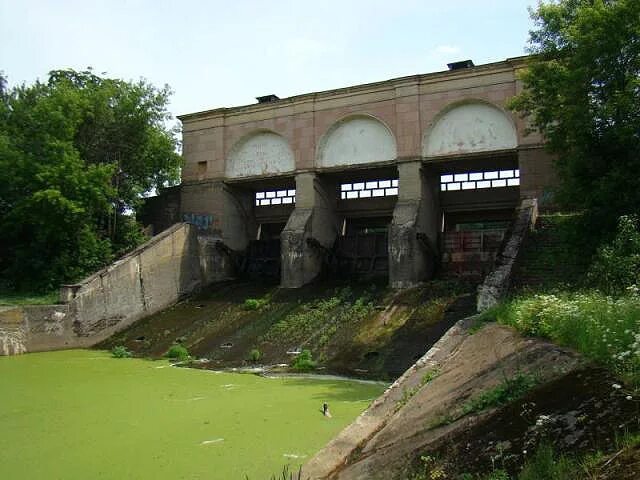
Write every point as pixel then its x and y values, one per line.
pixel 82 414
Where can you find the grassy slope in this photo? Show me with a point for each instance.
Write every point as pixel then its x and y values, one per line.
pixel 348 328
pixel 27 298
pixel 82 414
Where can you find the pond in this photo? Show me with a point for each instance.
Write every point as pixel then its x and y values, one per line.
pixel 81 414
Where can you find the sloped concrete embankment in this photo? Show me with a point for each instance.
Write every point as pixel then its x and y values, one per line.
pixel 153 277
pixel 498 281
pixel 408 418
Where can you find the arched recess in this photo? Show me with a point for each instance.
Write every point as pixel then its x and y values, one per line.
pixel 356 139
pixel 472 126
pixel 259 153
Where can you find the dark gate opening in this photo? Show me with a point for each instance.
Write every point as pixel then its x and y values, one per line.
pixel 362 250
pixel 262 258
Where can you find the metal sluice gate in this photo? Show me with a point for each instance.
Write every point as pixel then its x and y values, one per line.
pixel 361 254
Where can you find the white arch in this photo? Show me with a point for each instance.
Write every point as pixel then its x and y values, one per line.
pixel 356 139
pixel 469 127
pixel 258 153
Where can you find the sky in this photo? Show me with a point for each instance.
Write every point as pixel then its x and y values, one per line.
pixel 225 53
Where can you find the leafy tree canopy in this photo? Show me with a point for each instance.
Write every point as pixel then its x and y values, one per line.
pixel 582 91
pixel 76 154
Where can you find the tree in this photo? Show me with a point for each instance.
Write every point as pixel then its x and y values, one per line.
pixel 76 154
pixel 582 91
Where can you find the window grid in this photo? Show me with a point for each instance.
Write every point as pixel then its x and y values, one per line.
pixel 275 197
pixel 369 189
pixel 451 182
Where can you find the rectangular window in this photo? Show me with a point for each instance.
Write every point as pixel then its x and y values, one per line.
pixel 369 189
pixel 477 180
pixel 275 197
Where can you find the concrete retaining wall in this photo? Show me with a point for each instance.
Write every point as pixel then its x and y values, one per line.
pixel 32 328
pixel 156 275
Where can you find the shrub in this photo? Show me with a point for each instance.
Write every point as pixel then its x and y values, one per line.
pixel 251 304
pixel 255 355
pixel 256 303
pixel 617 264
pixel 120 351
pixel 178 352
pixel 304 362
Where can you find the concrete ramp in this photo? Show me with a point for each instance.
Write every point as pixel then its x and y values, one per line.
pixel 408 417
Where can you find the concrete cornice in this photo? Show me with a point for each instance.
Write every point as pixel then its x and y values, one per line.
pixel 219 114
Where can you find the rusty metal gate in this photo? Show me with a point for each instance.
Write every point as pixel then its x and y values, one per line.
pixel 362 254
pixel 471 253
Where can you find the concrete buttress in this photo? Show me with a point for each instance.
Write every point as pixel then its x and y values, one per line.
pixel 313 218
pixel 413 234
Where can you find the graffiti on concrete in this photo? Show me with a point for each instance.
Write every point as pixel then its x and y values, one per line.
pixel 202 221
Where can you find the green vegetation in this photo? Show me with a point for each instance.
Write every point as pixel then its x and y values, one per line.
pixel 254 355
pixel 304 362
pixel 408 394
pixel 145 420
pixel 76 154
pixel 506 392
pixel 178 352
pixel 604 329
pixel 509 390
pixel 256 303
pixel 546 464
pixel 430 469
pixel 120 352
pixel 603 324
pixel 322 317
pixel 10 297
pixel 616 265
pixel 581 92
pixel 286 474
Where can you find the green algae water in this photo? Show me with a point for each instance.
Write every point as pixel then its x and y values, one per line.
pixel 83 415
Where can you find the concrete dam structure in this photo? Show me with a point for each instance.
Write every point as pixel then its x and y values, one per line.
pixel 398 180
pixel 395 178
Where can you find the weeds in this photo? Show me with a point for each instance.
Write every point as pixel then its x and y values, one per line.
pixel 546 464
pixel 324 316
pixel 304 362
pixel 509 390
pixel 408 394
pixel 256 303
pixel 120 351
pixel 255 355
pixel 286 474
pixel 430 469
pixel 178 352
pixel 506 392
pixel 604 329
